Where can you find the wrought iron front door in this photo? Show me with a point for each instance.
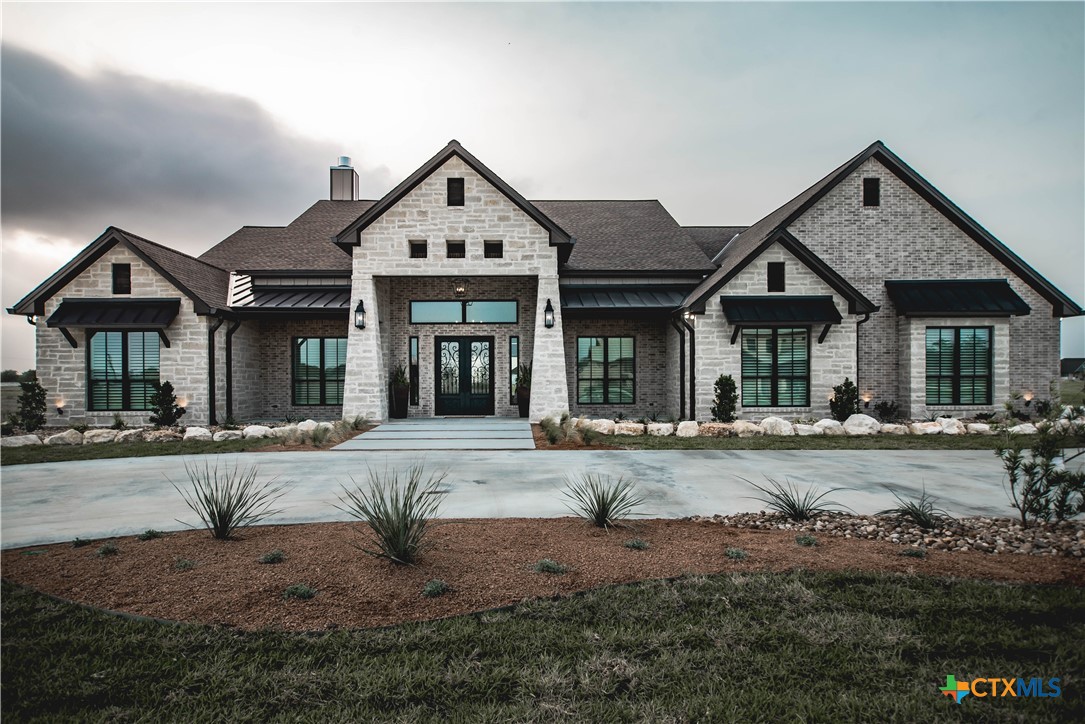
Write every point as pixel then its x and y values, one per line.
pixel 465 383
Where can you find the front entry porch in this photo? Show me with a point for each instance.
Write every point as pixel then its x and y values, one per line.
pixel 445 433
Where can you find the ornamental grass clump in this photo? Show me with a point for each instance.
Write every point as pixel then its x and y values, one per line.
pixel 546 565
pixel 435 588
pixel 736 554
pixel 791 503
pixel 920 511
pixel 601 501
pixel 299 590
pixel 398 508
pixel 227 500
pixel 636 544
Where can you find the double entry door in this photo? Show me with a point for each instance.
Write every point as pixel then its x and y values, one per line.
pixel 465 381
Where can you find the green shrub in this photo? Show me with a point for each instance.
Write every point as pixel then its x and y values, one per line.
pixel 726 397
pixel 319 435
pixel 359 422
pixel 920 511
pixel 275 556
pixel 79 543
pixel 808 541
pixel 150 534
pixel 183 564
pixel 164 407
pixel 30 413
pixel 9 376
pixel 228 500
pixel 435 588
pixel 118 422
pixel 548 566
pixel 589 436
pixel 913 553
pixel 787 499
pixel 601 501
pixel 887 411
pixel 398 509
pixel 636 544
pixel 845 400
pixel 736 554
pixel 1039 489
pixel 79 427
pixel 551 429
pixel 109 549
pixel 299 590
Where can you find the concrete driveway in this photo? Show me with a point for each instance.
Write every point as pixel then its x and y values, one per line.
pixel 56 502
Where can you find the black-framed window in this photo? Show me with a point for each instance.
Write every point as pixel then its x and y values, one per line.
pixel 455 192
pixel 412 368
pixel 776 367
pixel 872 192
pixel 605 370
pixel 514 366
pixel 419 249
pixel 776 276
pixel 493 249
pixel 319 366
pixel 456 249
pixel 122 369
pixel 467 311
pixel 959 365
pixel 122 278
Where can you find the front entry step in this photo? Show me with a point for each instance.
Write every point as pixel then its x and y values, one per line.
pixel 445 434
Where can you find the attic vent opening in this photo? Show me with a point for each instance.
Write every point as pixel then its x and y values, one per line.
pixel 872 192
pixel 122 278
pixel 776 276
pixel 455 192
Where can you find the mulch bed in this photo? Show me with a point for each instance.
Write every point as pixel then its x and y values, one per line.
pixel 570 443
pixel 487 562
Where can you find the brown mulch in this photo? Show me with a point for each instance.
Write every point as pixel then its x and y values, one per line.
pixel 541 443
pixel 487 562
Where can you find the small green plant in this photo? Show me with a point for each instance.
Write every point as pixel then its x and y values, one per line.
pixel 275 556
pixel 80 543
pixel 291 418
pixel 183 564
pixel 920 511
pixel 299 590
pixel 79 427
pixel 620 417
pixel 601 501
pixel 794 505
pixel 807 541
pixel 359 422
pixel 736 554
pixel 845 400
pixel 230 423
pixel 227 500
pixel 1038 488
pixel 549 566
pixel 164 408
pixel 30 413
pixel 109 549
pixel 319 435
pixel 726 397
pixel 435 588
pixel 887 411
pixel 118 422
pixel 636 544
pixel 150 534
pixel 551 429
pixel 398 508
pixel 589 436
pixel 913 553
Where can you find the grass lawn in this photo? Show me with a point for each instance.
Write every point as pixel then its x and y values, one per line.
pixel 798 646
pixel 1072 392
pixel 59 453
pixel 826 442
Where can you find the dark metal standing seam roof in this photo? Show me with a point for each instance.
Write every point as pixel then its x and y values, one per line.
pixel 115 313
pixel 775 311
pixel 956 297
pixel 622 297
pixel 326 298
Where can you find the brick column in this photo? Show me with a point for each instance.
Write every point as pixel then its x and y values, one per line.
pixel 549 386
pixel 365 390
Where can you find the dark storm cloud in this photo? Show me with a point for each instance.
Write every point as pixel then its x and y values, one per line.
pixel 84 152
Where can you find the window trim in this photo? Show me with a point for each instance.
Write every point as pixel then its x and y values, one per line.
pixel 126 377
pixel 491 244
pixel 323 374
pixel 414 244
pixel 606 370
pixel 872 192
pixel 126 277
pixel 782 270
pixel 414 362
pixel 774 376
pixel 448 248
pixel 455 192
pixel 514 367
pixel 463 310
pixel 955 378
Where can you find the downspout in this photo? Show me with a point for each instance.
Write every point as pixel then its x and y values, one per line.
pixel 681 369
pixel 866 318
pixel 211 371
pixel 230 367
pixel 692 369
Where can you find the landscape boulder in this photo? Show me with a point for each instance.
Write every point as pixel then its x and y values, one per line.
pixel 660 429
pixel 777 426
pixel 284 431
pixel 925 428
pixel 628 428
pixel 19 440
pixel 307 426
pixel 604 427
pixel 890 428
pixel 197 433
pixel 161 436
pixel 228 435
pixel 979 428
pixel 950 425
pixel 747 429
pixel 68 437
pixel 133 435
pixel 254 431
pixel 716 429
pixel 860 424
pixel 688 428
pixel 804 430
pixel 1025 428
pixel 830 427
pixel 94 437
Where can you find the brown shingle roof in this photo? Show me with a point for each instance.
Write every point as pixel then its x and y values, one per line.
pixel 206 281
pixel 712 239
pixel 635 236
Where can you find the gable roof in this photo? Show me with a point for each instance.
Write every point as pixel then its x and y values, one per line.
pixel 626 236
pixel 753 238
pixel 712 239
pixel 304 244
pixel 205 284
pixel 349 236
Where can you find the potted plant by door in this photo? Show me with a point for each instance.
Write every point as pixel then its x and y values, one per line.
pixel 523 389
pixel 401 392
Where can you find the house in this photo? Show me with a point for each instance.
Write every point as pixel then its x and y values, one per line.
pixel 870 274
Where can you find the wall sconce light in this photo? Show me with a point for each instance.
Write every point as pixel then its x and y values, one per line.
pixel 1028 398
pixel 690 316
pixel 182 402
pixel 32 320
pixel 548 315
pixel 60 405
pixel 359 315
pixel 459 287
pixel 867 397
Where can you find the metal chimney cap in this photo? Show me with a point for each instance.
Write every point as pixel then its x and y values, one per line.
pixel 344 162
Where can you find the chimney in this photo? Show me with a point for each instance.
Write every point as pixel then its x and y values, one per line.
pixel 344 181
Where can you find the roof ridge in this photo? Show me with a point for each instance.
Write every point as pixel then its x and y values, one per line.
pixel 155 244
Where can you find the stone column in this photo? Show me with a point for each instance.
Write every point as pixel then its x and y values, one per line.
pixel 365 390
pixel 549 385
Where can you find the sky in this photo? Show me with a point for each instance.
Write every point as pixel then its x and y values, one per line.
pixel 182 122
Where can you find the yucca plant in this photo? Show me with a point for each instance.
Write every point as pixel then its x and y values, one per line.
pixel 920 511
pixel 398 508
pixel 601 501
pixel 793 504
pixel 227 500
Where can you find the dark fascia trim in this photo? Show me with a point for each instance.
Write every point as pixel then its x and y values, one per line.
pixel 696 275
pixel 857 302
pixel 294 272
pixel 34 302
pixel 349 236
pixel 662 313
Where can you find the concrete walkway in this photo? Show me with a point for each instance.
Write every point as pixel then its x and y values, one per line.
pixel 55 502
pixel 446 433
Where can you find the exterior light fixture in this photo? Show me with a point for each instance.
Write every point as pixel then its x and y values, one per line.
pixel 548 315
pixel 359 315
pixel 459 287
pixel 32 320
pixel 867 397
pixel 60 405
pixel 182 402
pixel 1028 398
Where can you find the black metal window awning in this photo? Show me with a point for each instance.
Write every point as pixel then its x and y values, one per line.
pixel 956 298
pixel 114 314
pixel 614 298
pixel 780 311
